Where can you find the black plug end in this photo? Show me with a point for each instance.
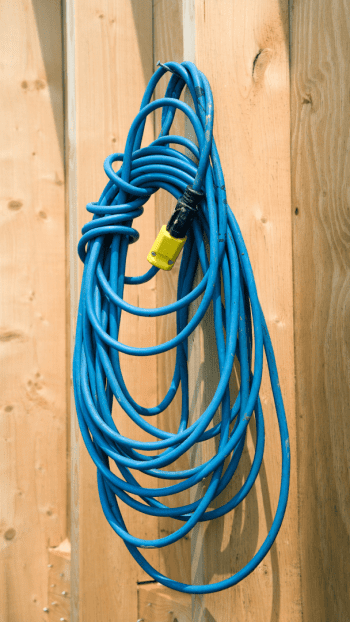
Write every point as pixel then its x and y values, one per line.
pixel 184 213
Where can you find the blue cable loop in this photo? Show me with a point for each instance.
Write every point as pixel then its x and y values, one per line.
pixel 238 322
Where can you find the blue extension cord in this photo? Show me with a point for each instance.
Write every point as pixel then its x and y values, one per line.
pixel 96 368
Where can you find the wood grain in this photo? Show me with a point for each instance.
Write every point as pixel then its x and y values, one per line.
pixel 159 604
pixel 113 62
pixel 32 324
pixel 59 583
pixel 320 79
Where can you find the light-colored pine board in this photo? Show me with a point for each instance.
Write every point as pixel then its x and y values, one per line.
pixel 32 324
pixel 72 297
pixel 175 560
pixel 159 604
pixel 113 62
pixel 243 50
pixel 320 81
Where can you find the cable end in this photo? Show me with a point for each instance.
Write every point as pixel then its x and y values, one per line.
pixel 165 250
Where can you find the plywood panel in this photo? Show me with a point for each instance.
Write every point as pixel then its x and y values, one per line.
pixel 320 79
pixel 113 62
pixel 32 324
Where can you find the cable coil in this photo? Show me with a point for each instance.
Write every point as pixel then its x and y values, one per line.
pixel 238 323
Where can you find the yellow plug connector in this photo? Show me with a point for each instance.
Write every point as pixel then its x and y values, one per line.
pixel 165 250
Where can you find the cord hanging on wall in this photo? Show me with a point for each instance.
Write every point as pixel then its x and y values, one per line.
pixel 238 323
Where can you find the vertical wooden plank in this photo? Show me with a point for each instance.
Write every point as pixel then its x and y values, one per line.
pixel 73 281
pixel 320 79
pixel 32 344
pixel 243 49
pixel 175 560
pixel 113 63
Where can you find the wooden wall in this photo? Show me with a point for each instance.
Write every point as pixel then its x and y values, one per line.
pixel 281 82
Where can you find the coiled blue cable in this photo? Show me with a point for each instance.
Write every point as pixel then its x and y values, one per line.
pixel 238 322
